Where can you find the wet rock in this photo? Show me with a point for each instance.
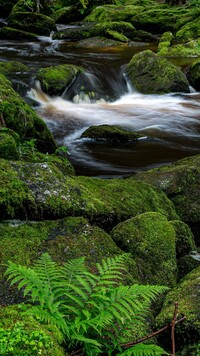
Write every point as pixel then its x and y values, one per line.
pixel 151 74
pixel 55 79
pixel 150 239
pixel 32 22
pixel 22 119
pixel 12 67
pixel 99 42
pixel 187 294
pixel 110 133
pixel 41 190
pixel 194 74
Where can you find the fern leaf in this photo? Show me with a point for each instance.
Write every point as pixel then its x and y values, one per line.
pixel 144 350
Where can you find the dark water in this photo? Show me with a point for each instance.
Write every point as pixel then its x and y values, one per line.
pixel 169 124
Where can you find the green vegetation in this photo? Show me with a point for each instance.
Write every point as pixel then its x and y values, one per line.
pixel 94 312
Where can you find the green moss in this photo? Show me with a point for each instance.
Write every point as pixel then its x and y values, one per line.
pixel 10 33
pixel 150 239
pixel 22 119
pixel 54 80
pixel 189 31
pixel 117 36
pixel 8 147
pixel 189 49
pixel 55 195
pixel 187 296
pixel 110 133
pixel 37 338
pixel 184 238
pixel 180 180
pixel 32 22
pixel 151 74
pixel 7 68
pixel 185 265
pixel 113 13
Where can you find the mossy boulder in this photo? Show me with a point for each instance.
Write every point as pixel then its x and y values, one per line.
pixel 186 264
pixel 41 190
pixel 99 42
pixel 150 239
pixel 67 15
pixel 151 74
pixel 165 42
pixel 190 31
pixel 116 30
pixel 194 74
pixel 24 335
pixel 187 294
pixel 22 119
pixel 184 238
pixel 9 33
pixel 110 133
pixel 113 13
pixel 189 49
pixel 22 242
pixel 32 22
pixel 55 79
pixel 8 147
pixel 11 67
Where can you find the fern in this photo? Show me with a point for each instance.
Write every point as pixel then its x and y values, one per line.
pixel 94 311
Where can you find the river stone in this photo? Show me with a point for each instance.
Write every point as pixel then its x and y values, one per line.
pixel 10 67
pixel 151 74
pixel 150 239
pixel 18 116
pixel 99 42
pixel 41 190
pixel 180 181
pixel 32 22
pixel 110 133
pixel 187 294
pixel 55 79
pixel 194 75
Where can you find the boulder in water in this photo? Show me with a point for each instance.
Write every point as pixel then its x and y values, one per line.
pixel 110 133
pixel 151 74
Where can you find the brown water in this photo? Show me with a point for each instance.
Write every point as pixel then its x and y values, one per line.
pixel 169 124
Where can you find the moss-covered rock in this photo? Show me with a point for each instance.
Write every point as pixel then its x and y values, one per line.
pixel 31 6
pixel 73 237
pixel 11 67
pixel 151 74
pixel 150 239
pixel 32 22
pixel 40 190
pixel 113 13
pixel 189 49
pixel 190 31
pixel 184 238
pixel 23 335
pixel 98 41
pixel 194 73
pixel 180 180
pixel 117 30
pixel 110 133
pixel 9 33
pixel 165 42
pixel 186 264
pixel 19 117
pixel 67 15
pixel 8 147
pixel 187 294
pixel 55 79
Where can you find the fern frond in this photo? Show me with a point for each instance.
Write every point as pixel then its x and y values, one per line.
pixel 112 267
pixel 144 350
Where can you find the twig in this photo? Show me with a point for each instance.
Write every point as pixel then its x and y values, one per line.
pixel 173 323
pixel 155 333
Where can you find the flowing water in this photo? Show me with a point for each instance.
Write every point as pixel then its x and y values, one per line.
pixel 169 124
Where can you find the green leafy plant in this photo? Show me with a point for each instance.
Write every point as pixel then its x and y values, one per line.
pixel 95 312
pixel 19 341
pixel 28 149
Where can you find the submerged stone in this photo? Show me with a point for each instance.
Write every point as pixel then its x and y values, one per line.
pixel 151 74
pixel 150 239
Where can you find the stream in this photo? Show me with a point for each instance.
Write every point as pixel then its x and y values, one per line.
pixel 169 124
